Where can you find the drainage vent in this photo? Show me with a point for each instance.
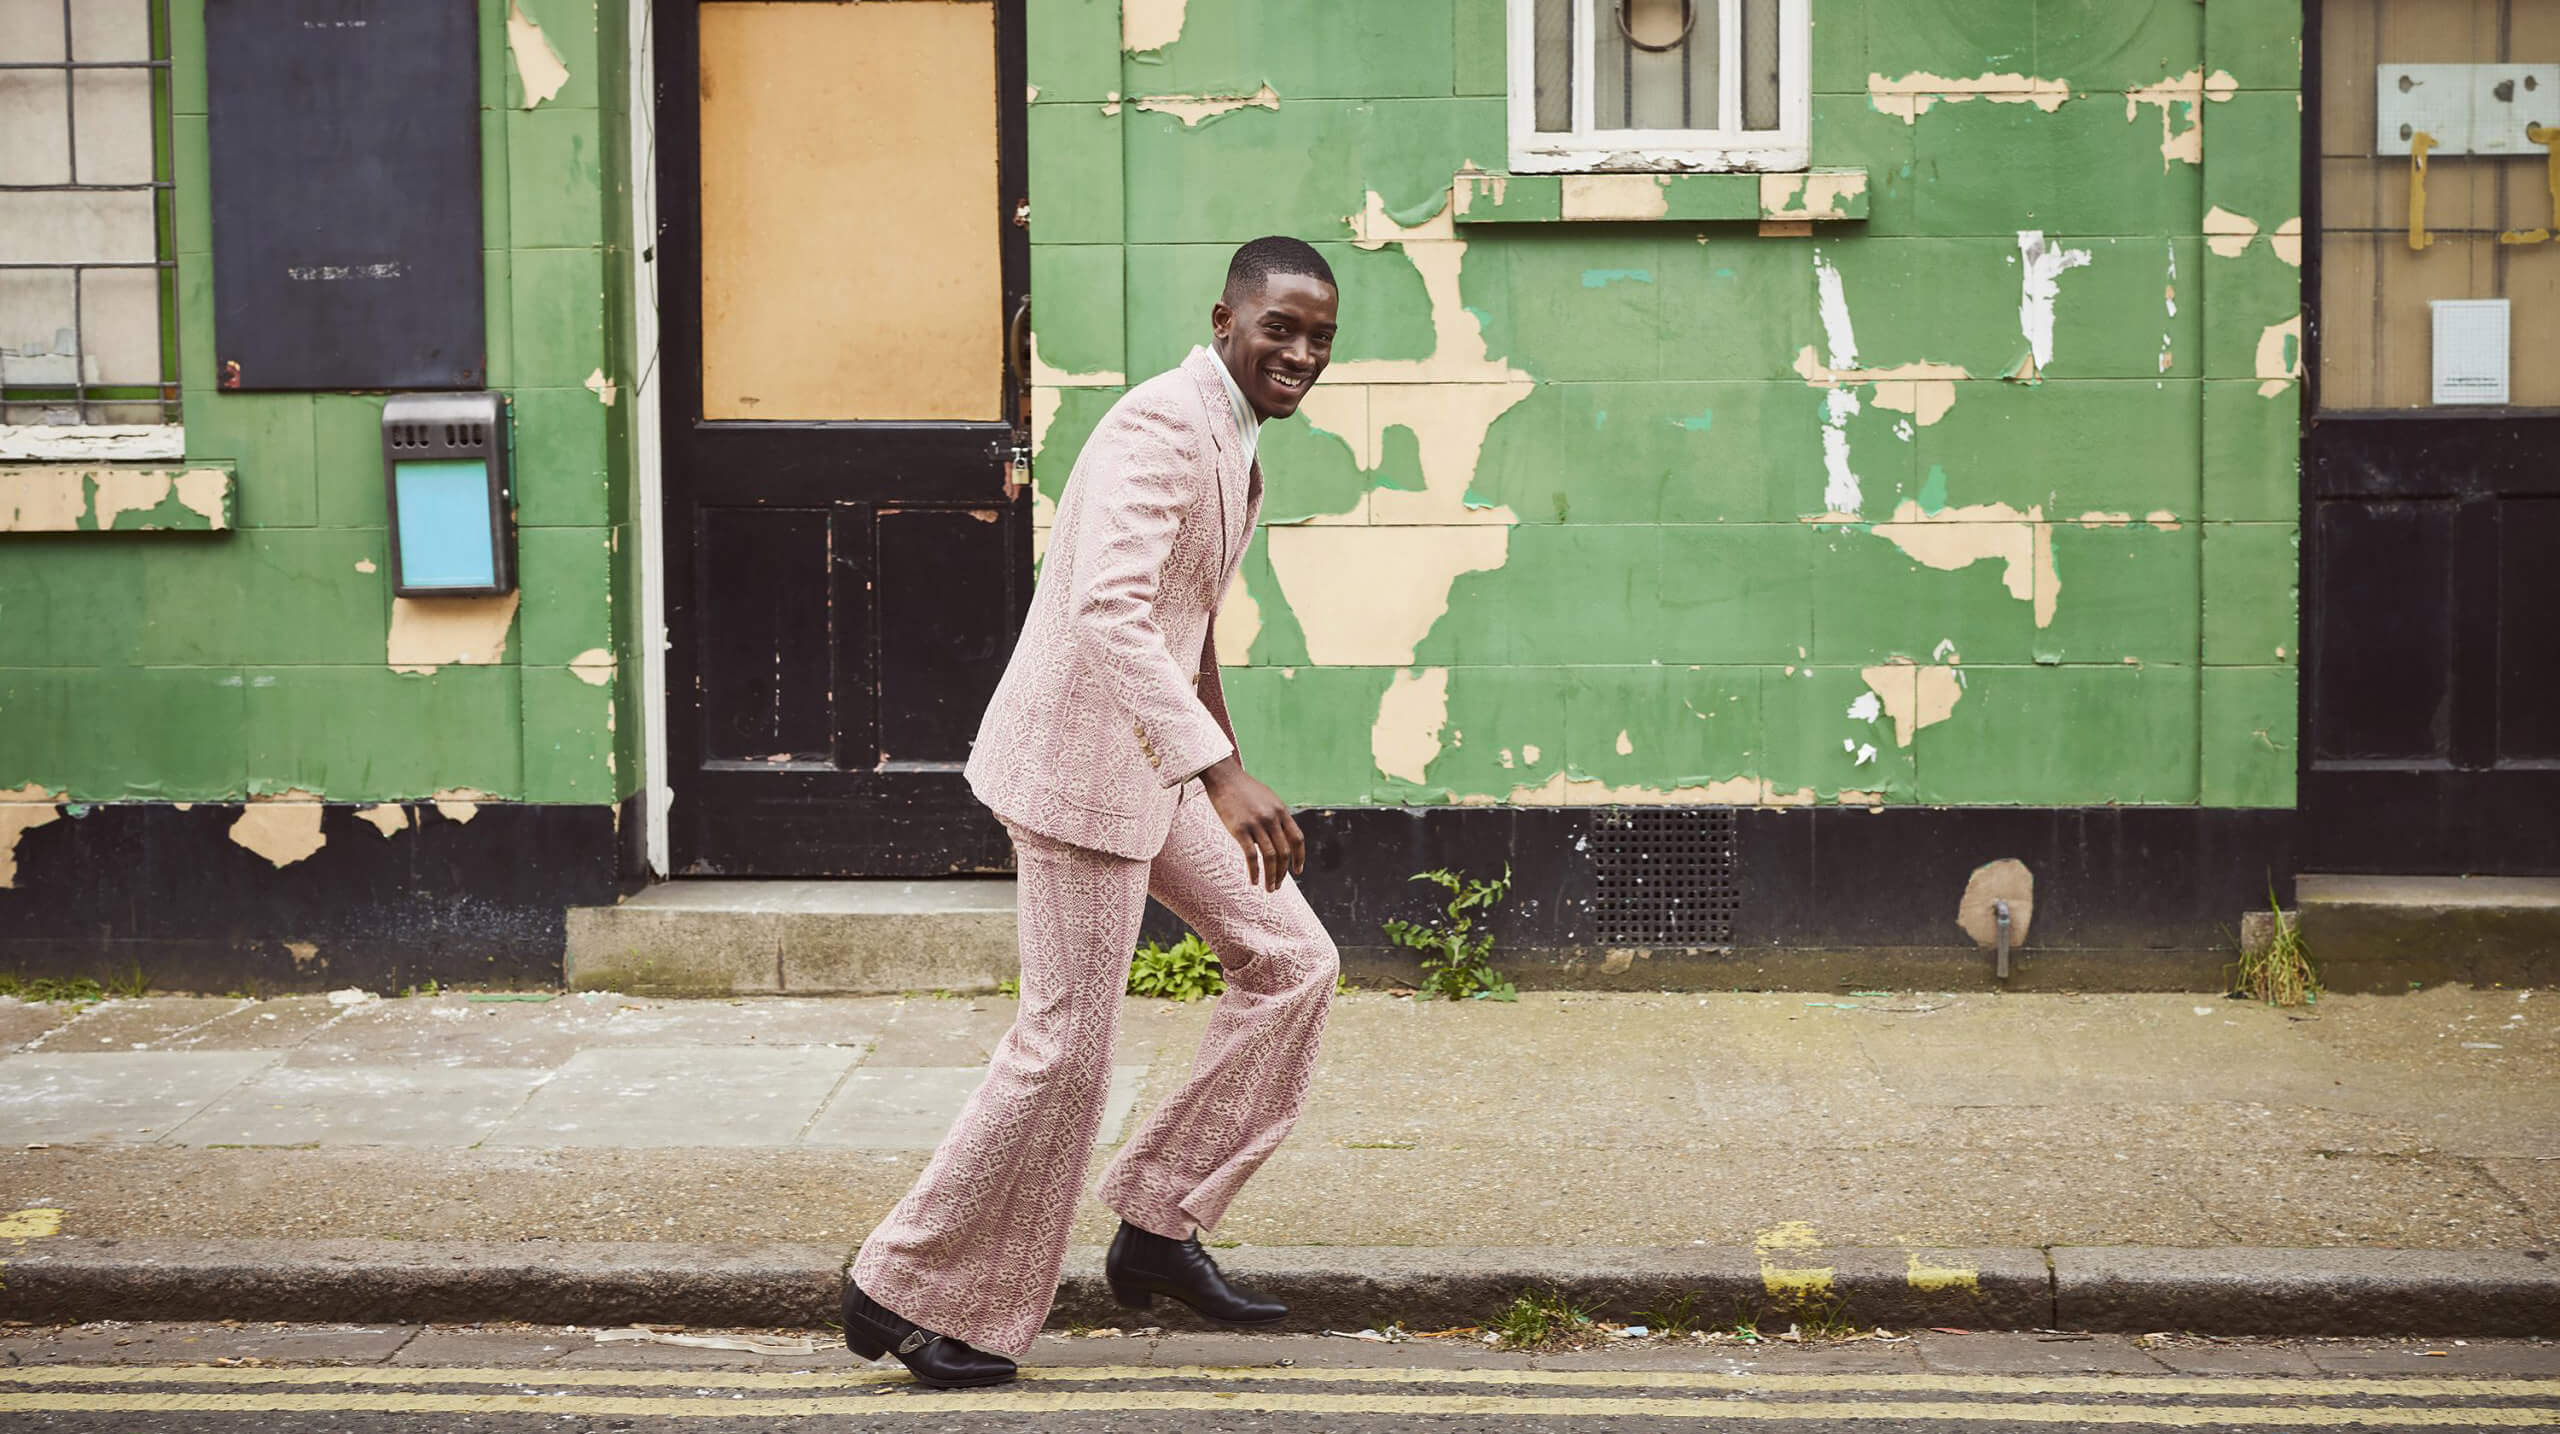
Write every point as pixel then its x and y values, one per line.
pixel 1664 876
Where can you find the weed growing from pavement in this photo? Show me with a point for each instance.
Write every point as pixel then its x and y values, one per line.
pixel 79 990
pixel 1185 971
pixel 1678 1316
pixel 2280 972
pixel 1456 958
pixel 1538 1318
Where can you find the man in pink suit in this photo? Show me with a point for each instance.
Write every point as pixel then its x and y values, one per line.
pixel 1108 753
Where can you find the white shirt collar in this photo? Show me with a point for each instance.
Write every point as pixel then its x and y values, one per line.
pixel 1248 422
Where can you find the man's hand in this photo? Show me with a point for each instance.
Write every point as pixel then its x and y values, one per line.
pixel 1273 846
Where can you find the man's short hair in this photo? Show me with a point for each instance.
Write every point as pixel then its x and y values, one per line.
pixel 1273 254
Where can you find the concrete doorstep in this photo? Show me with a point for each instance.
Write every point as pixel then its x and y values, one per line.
pixel 2128 1290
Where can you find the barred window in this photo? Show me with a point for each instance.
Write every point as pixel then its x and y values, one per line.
pixel 88 241
pixel 1659 85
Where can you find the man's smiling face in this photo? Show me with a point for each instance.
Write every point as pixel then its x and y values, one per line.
pixel 1276 339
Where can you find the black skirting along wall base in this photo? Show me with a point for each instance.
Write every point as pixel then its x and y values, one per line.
pixel 479 896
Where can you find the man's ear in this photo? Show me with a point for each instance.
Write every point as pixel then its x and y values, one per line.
pixel 1221 318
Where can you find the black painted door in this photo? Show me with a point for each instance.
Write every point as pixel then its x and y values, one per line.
pixel 843 279
pixel 2430 531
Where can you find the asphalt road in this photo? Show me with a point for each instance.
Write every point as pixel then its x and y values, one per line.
pixel 121 1379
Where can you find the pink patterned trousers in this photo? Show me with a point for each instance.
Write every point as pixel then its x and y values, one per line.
pixel 974 1250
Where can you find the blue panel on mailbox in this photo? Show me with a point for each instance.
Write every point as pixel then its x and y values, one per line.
pixel 445 530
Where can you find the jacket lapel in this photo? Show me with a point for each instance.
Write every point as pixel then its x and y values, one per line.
pixel 1234 475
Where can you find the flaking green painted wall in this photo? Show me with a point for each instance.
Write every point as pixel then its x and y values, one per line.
pixel 1564 523
pixel 261 661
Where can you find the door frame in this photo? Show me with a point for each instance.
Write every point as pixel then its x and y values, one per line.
pixel 648 398
pixel 2369 822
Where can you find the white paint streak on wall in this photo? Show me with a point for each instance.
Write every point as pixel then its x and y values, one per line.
pixel 2040 283
pixel 1954 538
pixel 2228 234
pixel 21 811
pixel 282 829
pixel 538 66
pixel 427 633
pixel 2279 357
pixel 2181 96
pixel 1911 96
pixel 1411 715
pixel 1837 333
pixel 388 818
pixel 1841 494
pixel 1195 110
pixel 1150 24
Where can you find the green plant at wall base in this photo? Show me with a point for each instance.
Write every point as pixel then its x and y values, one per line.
pixel 2280 972
pixel 1537 1318
pixel 1455 956
pixel 1185 971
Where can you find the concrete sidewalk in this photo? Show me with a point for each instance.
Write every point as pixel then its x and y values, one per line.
pixel 1902 1143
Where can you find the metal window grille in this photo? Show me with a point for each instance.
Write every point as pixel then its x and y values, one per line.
pixel 1671 84
pixel 88 224
pixel 1665 876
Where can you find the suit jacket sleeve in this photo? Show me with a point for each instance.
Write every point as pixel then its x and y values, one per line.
pixel 1213 694
pixel 1162 482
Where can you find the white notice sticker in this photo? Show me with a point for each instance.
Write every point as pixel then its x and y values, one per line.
pixel 2470 350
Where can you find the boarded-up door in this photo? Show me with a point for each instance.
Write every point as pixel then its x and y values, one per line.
pixel 842 268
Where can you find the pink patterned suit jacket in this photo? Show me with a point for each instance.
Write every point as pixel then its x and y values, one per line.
pixel 1111 700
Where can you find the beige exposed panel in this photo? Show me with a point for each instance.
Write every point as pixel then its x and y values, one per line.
pixel 850 246
pixel 2376 343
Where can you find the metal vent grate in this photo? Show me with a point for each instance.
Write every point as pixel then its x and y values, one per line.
pixel 1664 877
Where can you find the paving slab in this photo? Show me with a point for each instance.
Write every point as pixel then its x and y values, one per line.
pixel 22 1022
pixel 910 1107
pixel 455 1030
pixel 271 1025
pixel 141 1024
pixel 126 1096
pixel 2028 1352
pixel 165 1343
pixel 2441 1358
pixel 2307 1291
pixel 363 1105
pixel 477 1348
pixel 644 1097
pixel 2237 1359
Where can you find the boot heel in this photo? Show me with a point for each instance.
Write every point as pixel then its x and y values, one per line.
pixel 860 1335
pixel 1131 1297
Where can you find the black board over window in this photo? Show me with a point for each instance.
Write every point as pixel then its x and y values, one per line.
pixel 345 141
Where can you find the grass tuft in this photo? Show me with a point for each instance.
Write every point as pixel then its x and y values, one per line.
pixel 2280 972
pixel 1538 1318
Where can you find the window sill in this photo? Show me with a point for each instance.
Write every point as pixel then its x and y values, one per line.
pixel 1806 196
pixel 117 498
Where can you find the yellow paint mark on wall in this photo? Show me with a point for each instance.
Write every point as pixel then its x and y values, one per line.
pixel 1924 1275
pixel 1194 110
pixel 1911 96
pixel 427 633
pixel 21 811
pixel 2279 357
pixel 594 667
pixel 389 818
pixel 2181 95
pixel 43 500
pixel 1779 1274
pixel 1954 538
pixel 1809 196
pixel 1412 714
pixel 538 66
pixel 1239 623
pixel 1617 196
pixel 38 1223
pixel 1150 24
pixel 283 829
pixel 2228 234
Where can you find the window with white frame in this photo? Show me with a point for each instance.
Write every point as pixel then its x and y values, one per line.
pixel 88 294
pixel 1659 85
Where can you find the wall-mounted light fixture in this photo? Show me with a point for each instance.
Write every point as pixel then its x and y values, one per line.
pixel 444 468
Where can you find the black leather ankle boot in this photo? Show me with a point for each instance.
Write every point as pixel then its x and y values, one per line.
pixel 1142 1266
pixel 870 1330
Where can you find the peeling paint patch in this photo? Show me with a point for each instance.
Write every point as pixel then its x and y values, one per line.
pixel 2287 241
pixel 1197 110
pixel 594 667
pixel 1238 623
pixel 43 500
pixel 1810 196
pixel 2279 357
pixel 538 66
pixel 427 633
pixel 1150 24
pixel 459 804
pixel 1412 713
pixel 1045 375
pixel 1954 538
pixel 1603 278
pixel 1780 1247
pixel 1924 390
pixel 2228 234
pixel 1366 596
pixel 1912 696
pixel 201 491
pixel 1565 790
pixel 389 818
pixel 601 387
pixel 2181 97
pixel 1617 196
pixel 364 565
pixel 1911 96
pixel 302 952
pixel 2039 284
pixel 283 829
pixel 21 812
pixel 127 490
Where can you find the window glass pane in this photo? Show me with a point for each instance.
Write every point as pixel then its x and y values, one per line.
pixel 1655 66
pixel 1759 64
pixel 1554 52
pixel 2376 335
pixel 34 119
